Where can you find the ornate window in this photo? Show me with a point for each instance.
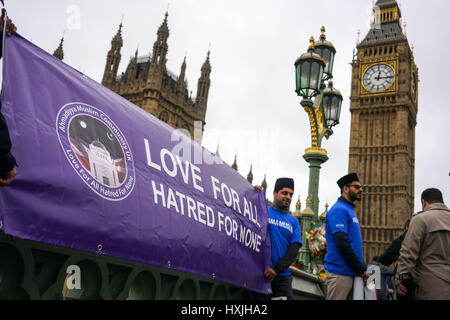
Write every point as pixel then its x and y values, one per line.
pixel 164 116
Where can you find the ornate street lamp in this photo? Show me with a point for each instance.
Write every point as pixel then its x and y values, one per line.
pixel 332 102
pixel 312 69
pixel 309 72
pixel 326 50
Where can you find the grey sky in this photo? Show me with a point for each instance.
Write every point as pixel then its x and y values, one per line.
pixel 253 110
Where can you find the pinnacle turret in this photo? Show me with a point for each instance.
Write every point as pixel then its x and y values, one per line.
pixel 59 52
pixel 250 175
pixel 113 59
pixel 160 47
pixel 204 84
pixel 235 166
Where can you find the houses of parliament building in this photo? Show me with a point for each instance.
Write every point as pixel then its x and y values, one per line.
pixel 148 84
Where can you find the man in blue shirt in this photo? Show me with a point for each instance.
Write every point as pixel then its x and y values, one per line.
pixel 344 259
pixel 285 237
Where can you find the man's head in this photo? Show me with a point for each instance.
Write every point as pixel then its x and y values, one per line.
pixel 431 196
pixel 351 188
pixel 283 192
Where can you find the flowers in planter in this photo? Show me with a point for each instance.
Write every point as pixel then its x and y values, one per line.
pixel 317 243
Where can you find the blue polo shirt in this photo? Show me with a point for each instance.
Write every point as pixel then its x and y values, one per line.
pixel 342 218
pixel 284 230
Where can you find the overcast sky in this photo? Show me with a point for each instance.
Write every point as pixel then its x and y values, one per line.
pixel 253 110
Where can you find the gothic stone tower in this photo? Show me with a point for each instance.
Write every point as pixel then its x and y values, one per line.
pixel 150 85
pixel 384 111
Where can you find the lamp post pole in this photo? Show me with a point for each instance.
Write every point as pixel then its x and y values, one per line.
pixel 315 160
pixel 313 68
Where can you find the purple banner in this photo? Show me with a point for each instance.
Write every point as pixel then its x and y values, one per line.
pixel 97 173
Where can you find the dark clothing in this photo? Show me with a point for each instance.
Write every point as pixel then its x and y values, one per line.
pixel 410 290
pixel 390 286
pixel 390 256
pixel 284 183
pixel 7 161
pixel 282 287
pixel 347 179
pixel 288 258
pixel 281 290
pixel 392 253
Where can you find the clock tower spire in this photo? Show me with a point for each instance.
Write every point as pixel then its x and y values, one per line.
pixel 383 107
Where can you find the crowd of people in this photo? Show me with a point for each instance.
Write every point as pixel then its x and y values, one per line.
pixel 421 254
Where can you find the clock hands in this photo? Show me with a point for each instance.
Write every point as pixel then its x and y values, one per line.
pixel 379 77
pixel 379 74
pixel 387 77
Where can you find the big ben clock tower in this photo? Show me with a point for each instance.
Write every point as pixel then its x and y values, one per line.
pixel 384 112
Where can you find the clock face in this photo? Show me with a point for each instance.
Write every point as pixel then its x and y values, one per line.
pixel 378 78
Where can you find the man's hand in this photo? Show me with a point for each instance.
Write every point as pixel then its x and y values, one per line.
pixel 7 178
pixel 365 276
pixel 270 274
pixel 401 289
pixel 258 188
pixel 10 26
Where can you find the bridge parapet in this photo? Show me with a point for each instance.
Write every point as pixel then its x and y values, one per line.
pixel 31 270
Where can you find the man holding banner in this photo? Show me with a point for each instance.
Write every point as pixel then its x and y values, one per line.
pixel 7 161
pixel 285 236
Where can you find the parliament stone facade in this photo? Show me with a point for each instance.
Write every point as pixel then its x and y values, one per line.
pixel 150 85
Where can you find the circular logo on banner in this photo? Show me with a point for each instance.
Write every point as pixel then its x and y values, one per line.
pixel 97 150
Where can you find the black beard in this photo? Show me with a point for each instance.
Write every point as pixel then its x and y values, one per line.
pixel 280 207
pixel 353 196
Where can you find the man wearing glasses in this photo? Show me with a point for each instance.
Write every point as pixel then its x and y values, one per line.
pixel 344 259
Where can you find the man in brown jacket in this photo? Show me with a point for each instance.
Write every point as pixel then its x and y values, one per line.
pixel 425 253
